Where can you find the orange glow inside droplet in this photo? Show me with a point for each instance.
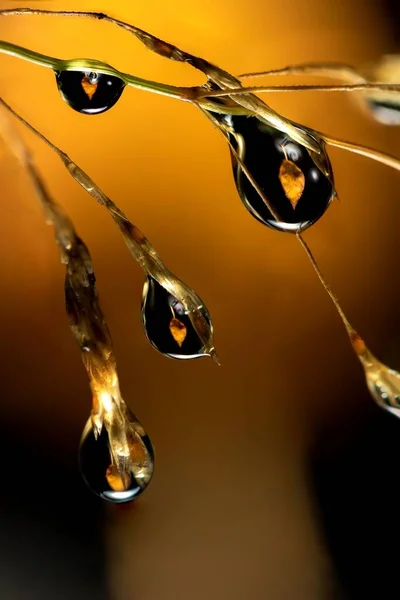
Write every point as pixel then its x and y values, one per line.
pixel 88 87
pixel 115 481
pixel 178 331
pixel 292 180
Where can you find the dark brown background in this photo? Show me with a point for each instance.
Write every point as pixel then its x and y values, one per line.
pixel 275 472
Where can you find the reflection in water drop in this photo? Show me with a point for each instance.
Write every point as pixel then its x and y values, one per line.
pixel 295 188
pixel 119 464
pixel 89 92
pixel 167 326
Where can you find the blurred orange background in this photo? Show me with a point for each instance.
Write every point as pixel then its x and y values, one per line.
pixel 229 512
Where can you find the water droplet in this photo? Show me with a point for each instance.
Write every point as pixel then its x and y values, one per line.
pixel 385 112
pixel 119 464
pixel 296 189
pixel 384 385
pixel 168 327
pixel 89 92
pixel 383 382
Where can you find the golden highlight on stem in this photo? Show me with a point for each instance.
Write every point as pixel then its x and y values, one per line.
pixel 90 64
pixel 220 77
pixel 382 381
pixel 349 328
pixel 332 70
pixel 139 246
pixel 357 87
pixel 242 100
pixel 232 98
pixel 377 155
pixel 87 323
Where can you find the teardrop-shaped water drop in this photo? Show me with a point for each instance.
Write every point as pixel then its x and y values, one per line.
pixel 296 189
pixel 167 325
pixel 383 382
pixel 384 385
pixel 91 92
pixel 118 465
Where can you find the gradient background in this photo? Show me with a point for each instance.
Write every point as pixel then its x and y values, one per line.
pixel 276 475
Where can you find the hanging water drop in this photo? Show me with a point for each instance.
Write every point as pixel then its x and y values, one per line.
pixel 167 325
pixel 119 464
pixel 298 188
pixel 384 385
pixel 383 382
pixel 91 92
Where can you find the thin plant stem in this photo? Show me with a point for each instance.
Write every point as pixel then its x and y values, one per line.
pixel 86 320
pixel 219 76
pixel 349 328
pixel 139 246
pixel 332 70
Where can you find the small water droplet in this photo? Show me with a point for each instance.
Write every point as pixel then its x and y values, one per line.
pixel 89 93
pixel 119 464
pixel 383 382
pixel 301 197
pixel 384 385
pixel 384 111
pixel 167 326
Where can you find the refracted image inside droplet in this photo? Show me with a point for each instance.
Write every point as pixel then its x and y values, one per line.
pixel 294 186
pixel 385 112
pixel 167 326
pixel 100 471
pixel 89 92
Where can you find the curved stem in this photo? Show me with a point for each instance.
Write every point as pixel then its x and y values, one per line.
pixel 86 318
pixel 377 155
pixel 29 55
pixel 87 64
pixel 139 246
pixel 332 70
pixel 362 352
pixel 357 87
pixel 349 328
pixel 220 77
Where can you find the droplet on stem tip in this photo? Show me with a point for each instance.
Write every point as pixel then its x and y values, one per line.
pixel 119 464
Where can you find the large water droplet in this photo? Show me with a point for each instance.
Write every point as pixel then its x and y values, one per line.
pixel 297 190
pixel 167 325
pixel 119 464
pixel 89 92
